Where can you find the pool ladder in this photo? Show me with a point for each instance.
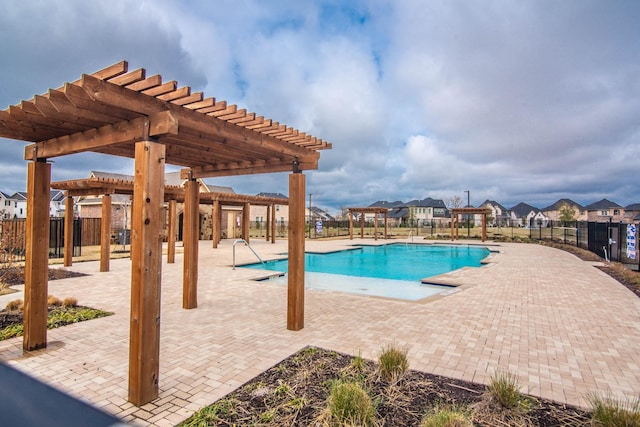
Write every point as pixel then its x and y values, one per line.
pixel 235 242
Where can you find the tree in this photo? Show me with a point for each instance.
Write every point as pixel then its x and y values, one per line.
pixel 567 213
pixel 455 202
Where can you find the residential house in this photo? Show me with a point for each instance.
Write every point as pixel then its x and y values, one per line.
pixel 316 213
pixel 416 212
pixel 554 212
pixel 6 206
pixel 525 215
pixel 499 216
pixel 19 200
pixel 632 213
pixel 605 210
pixel 259 213
pixel 57 200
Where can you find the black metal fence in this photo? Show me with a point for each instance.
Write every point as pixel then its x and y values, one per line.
pixel 12 240
pixel 611 240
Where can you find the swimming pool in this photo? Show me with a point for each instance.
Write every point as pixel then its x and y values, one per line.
pixel 394 270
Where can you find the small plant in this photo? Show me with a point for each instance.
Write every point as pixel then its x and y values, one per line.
pixel 350 404
pixel 16 304
pixel 282 389
pixel 614 412
pixel 504 388
pixel 11 331
pixel 393 363
pixel 69 302
pixel 358 362
pixel 211 414
pixel 447 417
pixel 54 301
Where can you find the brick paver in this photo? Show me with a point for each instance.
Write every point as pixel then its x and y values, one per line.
pixel 563 326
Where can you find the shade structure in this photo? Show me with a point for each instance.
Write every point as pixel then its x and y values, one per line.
pixel 125 113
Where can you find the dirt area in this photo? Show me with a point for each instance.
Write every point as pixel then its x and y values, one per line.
pixel 295 393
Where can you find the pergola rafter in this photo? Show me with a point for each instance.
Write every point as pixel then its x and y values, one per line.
pixel 117 112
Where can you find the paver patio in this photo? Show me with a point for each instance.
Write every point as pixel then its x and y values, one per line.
pixel 562 325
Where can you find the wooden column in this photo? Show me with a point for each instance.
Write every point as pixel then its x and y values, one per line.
pixel 36 256
pixel 484 227
pixel 273 224
pixel 268 223
pixel 171 233
pixel 190 240
pixel 362 225
pixel 215 223
pixel 375 226
pixel 350 225
pixel 68 231
pixel 386 226
pixel 295 293
pixel 246 221
pixel 452 222
pixel 146 272
pixel 105 233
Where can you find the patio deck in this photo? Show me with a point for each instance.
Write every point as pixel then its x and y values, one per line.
pixel 562 325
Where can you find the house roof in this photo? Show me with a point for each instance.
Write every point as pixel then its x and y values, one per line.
pixel 112 109
pixel 494 203
pixel 602 204
pixel 273 195
pixel 523 209
pixel 632 207
pixel 560 203
pixel 427 202
pixel 385 204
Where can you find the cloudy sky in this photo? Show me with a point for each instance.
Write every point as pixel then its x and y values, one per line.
pixel 512 100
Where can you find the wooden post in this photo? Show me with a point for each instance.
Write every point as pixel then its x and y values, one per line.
pixel 375 226
pixel 295 293
pixel 386 225
pixel 105 233
pixel 273 224
pixel 171 233
pixel 452 221
pixel 246 221
pixel 215 223
pixel 268 223
pixel 484 227
pixel 36 256
pixel 68 231
pixel 146 272
pixel 362 225
pixel 190 240
pixel 350 225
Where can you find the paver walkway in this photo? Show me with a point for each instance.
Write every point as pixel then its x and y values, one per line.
pixel 562 325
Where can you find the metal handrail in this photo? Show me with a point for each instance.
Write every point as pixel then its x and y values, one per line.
pixel 247 245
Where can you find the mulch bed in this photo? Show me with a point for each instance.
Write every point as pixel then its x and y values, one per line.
pixel 15 275
pixel 295 392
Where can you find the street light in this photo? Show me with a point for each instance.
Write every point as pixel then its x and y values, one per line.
pixel 468 205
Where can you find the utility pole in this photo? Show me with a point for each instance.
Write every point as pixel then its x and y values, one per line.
pixel 468 205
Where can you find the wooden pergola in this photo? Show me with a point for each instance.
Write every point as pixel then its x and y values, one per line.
pixel 125 113
pixel 375 211
pixel 173 194
pixel 455 220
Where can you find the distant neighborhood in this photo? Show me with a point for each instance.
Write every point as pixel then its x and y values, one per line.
pixel 416 212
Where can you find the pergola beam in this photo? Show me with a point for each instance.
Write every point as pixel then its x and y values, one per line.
pixel 125 132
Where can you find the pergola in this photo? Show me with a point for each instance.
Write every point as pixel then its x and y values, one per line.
pixel 376 212
pixel 127 114
pixel 455 220
pixel 172 194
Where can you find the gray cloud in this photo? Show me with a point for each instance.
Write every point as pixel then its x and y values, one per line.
pixel 528 101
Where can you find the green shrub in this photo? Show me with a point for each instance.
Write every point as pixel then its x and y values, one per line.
pixel 612 412
pixel 446 417
pixel 504 388
pixel 350 404
pixel 393 363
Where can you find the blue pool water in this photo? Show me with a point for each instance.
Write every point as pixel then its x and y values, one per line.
pixel 393 270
